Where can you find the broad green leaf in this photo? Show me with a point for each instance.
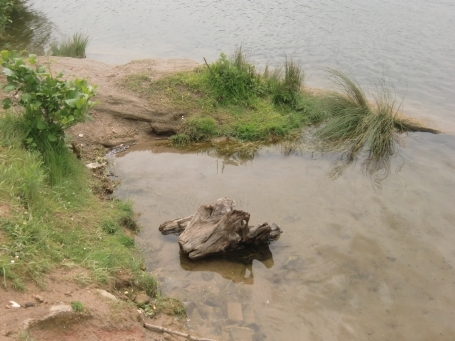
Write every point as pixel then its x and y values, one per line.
pixel 81 102
pixel 9 87
pixel 6 103
pixel 71 102
pixel 72 94
pixel 26 98
pixel 8 72
pixel 41 125
pixel 32 59
pixel 52 137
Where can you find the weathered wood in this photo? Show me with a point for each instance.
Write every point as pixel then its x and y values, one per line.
pixel 175 226
pixel 216 228
pixel 160 329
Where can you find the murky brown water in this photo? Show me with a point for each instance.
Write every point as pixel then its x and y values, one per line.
pixel 354 263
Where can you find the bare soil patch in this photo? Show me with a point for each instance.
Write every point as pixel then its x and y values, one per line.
pixel 104 318
pixel 121 116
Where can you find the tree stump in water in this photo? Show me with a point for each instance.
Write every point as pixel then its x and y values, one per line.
pixel 216 228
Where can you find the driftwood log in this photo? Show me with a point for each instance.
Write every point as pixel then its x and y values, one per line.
pixel 216 228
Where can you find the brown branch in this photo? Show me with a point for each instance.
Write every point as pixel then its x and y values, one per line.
pixel 208 66
pixel 159 329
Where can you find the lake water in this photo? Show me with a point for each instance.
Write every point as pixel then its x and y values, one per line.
pixel 409 43
pixel 355 262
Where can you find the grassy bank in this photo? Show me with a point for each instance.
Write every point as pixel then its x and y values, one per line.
pixel 230 98
pixel 50 218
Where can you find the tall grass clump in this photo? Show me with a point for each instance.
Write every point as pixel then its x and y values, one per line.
pixel 355 125
pixel 70 47
pixel 287 89
pixel 233 79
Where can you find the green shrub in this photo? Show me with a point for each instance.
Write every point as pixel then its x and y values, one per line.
pixel 50 103
pixel 234 79
pixel 70 47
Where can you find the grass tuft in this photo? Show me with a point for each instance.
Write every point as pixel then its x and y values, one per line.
pixel 356 126
pixel 70 47
pixel 286 90
pixel 77 307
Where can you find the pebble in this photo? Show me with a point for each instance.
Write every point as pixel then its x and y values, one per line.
pixel 29 304
pixel 39 298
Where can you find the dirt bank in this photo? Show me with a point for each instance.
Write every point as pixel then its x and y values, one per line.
pixel 121 116
pixel 45 311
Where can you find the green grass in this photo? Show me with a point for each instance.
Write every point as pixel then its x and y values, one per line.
pixel 70 47
pixel 229 98
pixel 53 219
pixel 357 127
pixel 77 307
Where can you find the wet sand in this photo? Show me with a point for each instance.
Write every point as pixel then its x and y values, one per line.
pixel 354 263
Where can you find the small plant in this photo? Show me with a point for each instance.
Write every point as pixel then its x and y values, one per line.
pixel 77 307
pixel 51 104
pixel 70 47
pixel 286 90
pixel 110 227
pixel 233 79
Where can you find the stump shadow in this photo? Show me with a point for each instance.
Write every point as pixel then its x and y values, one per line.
pixel 235 265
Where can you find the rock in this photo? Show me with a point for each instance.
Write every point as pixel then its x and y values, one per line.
pixel 142 299
pixel 106 294
pixel 189 307
pixel 240 333
pixel 95 165
pixel 39 298
pixel 234 310
pixel 207 276
pixel 163 128
pixel 59 309
pixel 29 304
pixel 13 304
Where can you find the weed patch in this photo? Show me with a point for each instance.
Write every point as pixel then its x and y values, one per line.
pixel 70 47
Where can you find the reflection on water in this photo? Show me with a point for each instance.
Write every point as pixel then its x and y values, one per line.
pixel 30 29
pixel 354 263
pixel 236 265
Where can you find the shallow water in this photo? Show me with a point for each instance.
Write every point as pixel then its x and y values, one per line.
pixel 409 43
pixel 353 263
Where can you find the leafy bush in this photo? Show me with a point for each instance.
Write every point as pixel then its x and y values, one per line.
pixel 70 47
pixel 51 104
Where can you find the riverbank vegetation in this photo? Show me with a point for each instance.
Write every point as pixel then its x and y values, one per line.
pixel 230 98
pixel 70 46
pixel 50 213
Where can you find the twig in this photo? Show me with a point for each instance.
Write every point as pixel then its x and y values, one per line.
pixel 208 66
pixel 155 328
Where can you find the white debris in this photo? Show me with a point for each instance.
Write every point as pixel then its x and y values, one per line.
pixel 14 304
